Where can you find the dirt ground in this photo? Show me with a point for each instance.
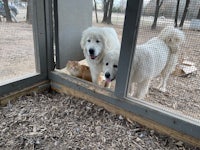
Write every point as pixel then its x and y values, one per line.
pixel 16 48
pixel 53 121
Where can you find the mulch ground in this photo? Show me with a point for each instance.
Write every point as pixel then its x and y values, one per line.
pixel 54 121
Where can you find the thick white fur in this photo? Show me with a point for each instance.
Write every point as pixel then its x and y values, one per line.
pixel 101 40
pixel 158 56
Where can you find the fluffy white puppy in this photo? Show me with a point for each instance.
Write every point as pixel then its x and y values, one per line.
pixel 156 56
pixel 95 42
pixel 110 65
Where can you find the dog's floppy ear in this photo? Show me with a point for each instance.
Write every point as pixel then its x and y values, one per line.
pixel 82 43
pixel 83 38
pixel 105 40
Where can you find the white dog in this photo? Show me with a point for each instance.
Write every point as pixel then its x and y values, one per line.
pixel 157 56
pixel 95 42
pixel 110 65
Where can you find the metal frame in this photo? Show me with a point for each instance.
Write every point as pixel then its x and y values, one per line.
pixel 129 36
pixel 39 32
pixel 50 34
pixel 179 123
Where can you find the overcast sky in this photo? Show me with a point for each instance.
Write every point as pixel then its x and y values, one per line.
pixel 145 2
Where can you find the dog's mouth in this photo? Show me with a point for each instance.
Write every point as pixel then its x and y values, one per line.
pixel 109 80
pixel 93 57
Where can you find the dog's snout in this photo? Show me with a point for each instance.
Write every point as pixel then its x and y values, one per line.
pixel 107 75
pixel 91 51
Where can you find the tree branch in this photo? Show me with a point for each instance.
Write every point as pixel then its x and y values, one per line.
pixel 161 3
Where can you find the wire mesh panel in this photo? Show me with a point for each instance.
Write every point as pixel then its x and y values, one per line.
pixel 17 54
pixel 165 68
pixel 23 51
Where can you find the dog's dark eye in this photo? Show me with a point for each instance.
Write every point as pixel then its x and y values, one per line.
pixel 106 64
pixel 97 41
pixel 88 40
pixel 115 66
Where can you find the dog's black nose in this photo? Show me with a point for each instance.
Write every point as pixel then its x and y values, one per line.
pixel 91 51
pixel 107 75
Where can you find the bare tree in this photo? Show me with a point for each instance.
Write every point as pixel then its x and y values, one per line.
pixel 107 5
pixel 110 12
pixel 95 8
pixel 7 11
pixel 29 15
pixel 105 10
pixel 158 5
pixel 176 15
pixel 184 13
pixel 198 16
pixel 122 5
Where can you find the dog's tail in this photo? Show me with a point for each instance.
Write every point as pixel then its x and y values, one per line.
pixel 173 37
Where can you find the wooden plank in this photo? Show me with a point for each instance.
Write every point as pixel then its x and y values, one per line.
pixel 11 97
pixel 114 109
